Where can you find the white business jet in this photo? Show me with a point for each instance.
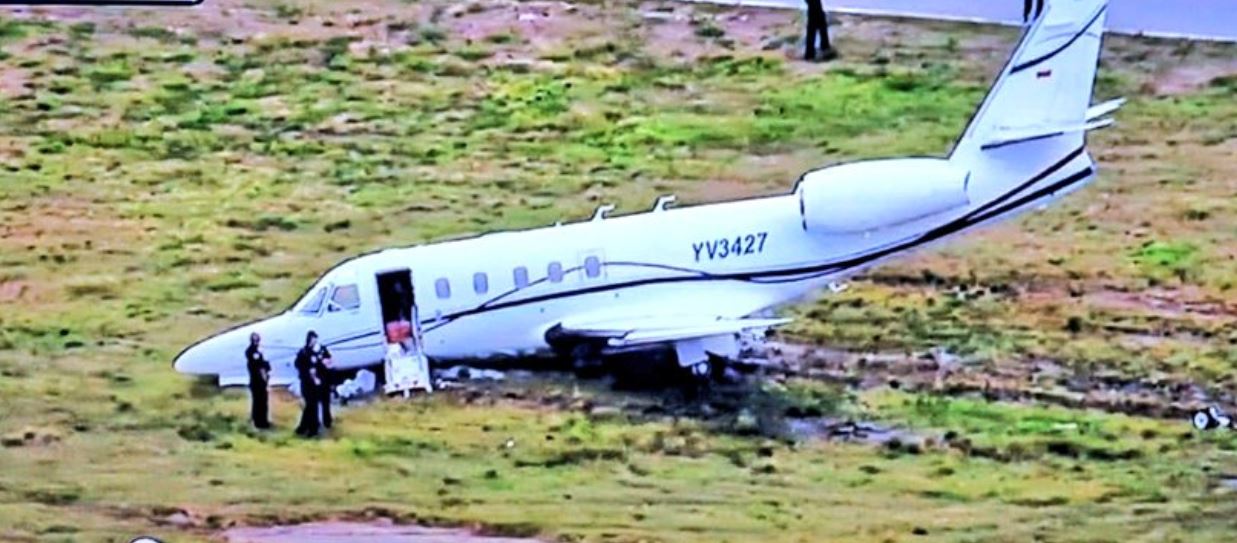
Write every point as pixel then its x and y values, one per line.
pixel 699 281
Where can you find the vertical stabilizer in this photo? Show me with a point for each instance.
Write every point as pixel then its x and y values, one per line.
pixel 1032 125
pixel 1045 89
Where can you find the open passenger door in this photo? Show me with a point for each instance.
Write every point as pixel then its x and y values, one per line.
pixel 405 364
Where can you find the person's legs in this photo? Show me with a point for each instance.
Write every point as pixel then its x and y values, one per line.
pixel 826 48
pixel 324 399
pixel 809 41
pixel 309 414
pixel 261 419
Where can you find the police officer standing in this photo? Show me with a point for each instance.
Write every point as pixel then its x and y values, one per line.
pixel 322 368
pixel 306 373
pixel 1031 6
pixel 817 29
pixel 259 379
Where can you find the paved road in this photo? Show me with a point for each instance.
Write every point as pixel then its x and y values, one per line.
pixel 1194 19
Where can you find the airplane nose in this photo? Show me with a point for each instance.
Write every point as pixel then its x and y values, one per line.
pixel 223 354
pixel 218 355
pixel 200 359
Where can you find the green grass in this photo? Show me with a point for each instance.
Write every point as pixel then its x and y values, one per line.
pixel 158 188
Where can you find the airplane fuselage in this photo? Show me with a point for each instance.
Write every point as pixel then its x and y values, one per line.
pixel 697 277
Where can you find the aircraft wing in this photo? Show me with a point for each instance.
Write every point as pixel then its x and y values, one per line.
pixel 634 332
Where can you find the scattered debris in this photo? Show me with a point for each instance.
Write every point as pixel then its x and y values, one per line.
pixel 1046 381
pixel 1229 482
pixel 364 384
pixel 29 437
pixel 851 431
pixel 466 373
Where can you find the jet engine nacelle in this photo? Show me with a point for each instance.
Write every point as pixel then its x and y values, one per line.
pixel 864 196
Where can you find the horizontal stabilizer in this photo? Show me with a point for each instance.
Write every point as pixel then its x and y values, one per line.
pixel 1106 108
pixel 1023 135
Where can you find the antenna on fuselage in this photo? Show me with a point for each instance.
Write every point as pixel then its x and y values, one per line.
pixel 664 203
pixel 602 211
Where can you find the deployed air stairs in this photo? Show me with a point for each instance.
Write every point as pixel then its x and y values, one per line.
pixel 405 365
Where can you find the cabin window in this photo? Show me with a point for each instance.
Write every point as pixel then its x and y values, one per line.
pixel 442 287
pixel 480 283
pixel 592 267
pixel 555 271
pixel 314 303
pixel 520 276
pixel 344 297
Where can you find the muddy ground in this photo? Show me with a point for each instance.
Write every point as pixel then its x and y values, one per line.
pixel 937 371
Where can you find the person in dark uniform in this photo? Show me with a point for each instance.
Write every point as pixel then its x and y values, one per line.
pixel 259 378
pixel 402 303
pixel 326 382
pixel 1031 6
pixel 817 29
pixel 307 375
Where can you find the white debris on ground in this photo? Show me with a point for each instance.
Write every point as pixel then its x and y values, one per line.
pixel 364 384
pixel 467 373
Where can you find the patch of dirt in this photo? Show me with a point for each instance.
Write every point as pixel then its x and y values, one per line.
pixel 1164 303
pixel 535 29
pixel 1192 77
pixel 383 531
pixel 14 82
pixel 717 191
pixel 686 33
pixel 236 21
pixel 64 223
pixel 11 291
pixel 756 28
pixel 485 21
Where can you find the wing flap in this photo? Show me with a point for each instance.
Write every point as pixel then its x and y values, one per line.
pixel 652 330
pixel 665 335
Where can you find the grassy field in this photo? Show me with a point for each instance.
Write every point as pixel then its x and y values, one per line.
pixel 166 175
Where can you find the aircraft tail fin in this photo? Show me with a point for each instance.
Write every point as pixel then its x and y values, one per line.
pixel 1031 128
pixel 1044 92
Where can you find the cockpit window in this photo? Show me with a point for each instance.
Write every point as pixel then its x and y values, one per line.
pixel 345 297
pixel 313 303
